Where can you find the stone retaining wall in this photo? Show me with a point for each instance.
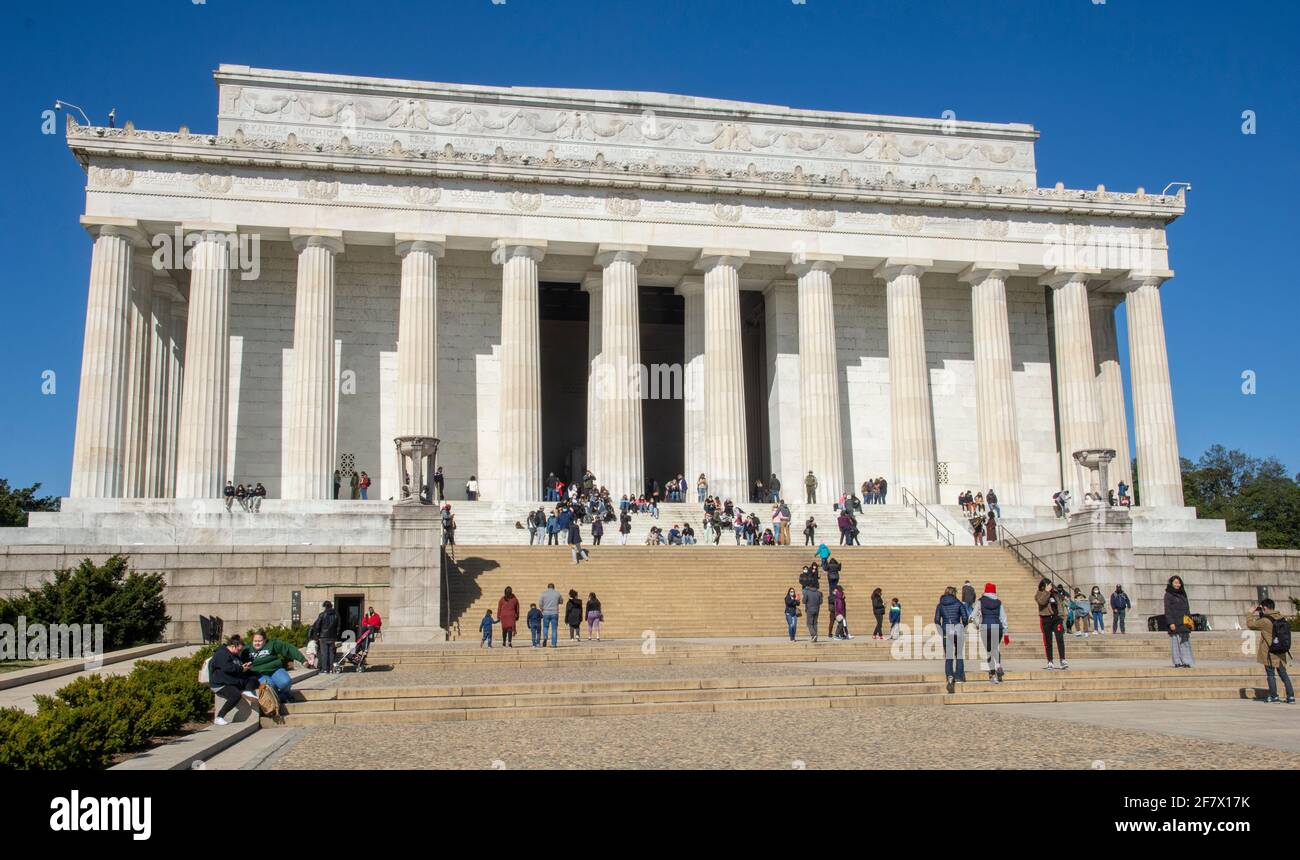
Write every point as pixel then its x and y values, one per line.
pixel 244 586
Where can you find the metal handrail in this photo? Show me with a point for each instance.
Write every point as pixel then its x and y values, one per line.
pixel 931 520
pixel 1029 558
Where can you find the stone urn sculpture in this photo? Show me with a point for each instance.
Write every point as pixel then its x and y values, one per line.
pixel 1094 465
pixel 415 466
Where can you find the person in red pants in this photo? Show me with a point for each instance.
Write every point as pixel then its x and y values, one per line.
pixel 1049 621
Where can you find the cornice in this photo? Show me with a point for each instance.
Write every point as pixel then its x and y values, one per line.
pixel 89 142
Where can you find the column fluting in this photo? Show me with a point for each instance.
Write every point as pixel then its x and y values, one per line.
pixel 819 395
pixel 205 398
pixel 995 392
pixel 911 414
pixel 519 460
pixel 417 336
pixel 160 324
pixel 97 456
pixel 1160 482
pixel 724 377
pixel 1110 387
pixel 592 286
pixel 694 444
pixel 310 434
pixel 1076 387
pixel 622 439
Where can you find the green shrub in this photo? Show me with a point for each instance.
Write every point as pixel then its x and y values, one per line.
pixel 295 635
pixel 95 717
pixel 129 604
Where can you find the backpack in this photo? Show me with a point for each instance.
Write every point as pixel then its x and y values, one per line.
pixel 1281 641
pixel 268 702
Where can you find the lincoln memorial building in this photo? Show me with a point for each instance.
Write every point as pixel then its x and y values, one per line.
pixel 643 284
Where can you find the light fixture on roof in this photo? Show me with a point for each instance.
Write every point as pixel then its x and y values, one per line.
pixel 59 104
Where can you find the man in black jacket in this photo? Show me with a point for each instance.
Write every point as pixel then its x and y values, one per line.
pixel 229 679
pixel 325 630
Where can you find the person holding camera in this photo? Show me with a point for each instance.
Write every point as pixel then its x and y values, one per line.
pixel 1274 647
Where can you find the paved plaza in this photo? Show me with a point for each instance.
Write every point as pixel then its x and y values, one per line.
pixel 1062 736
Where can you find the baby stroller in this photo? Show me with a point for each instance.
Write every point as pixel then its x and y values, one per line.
pixel 355 651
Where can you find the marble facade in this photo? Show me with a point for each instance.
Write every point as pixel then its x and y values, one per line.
pixel 364 258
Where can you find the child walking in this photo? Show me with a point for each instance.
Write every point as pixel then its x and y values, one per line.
pixel 486 626
pixel 535 624
pixel 895 617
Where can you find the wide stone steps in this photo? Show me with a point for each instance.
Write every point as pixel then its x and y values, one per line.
pixel 731 591
pixel 861 648
pixel 480 523
pixel 343 705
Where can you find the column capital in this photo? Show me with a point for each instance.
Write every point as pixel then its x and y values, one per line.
pixel 330 240
pixel 977 273
pixel 895 266
pixel 592 282
pixel 104 225
pixel 711 258
pixel 503 250
pixel 1135 278
pixel 429 243
pixel 215 228
pixel 691 285
pixel 1099 300
pixel 1060 277
pixel 608 253
pixel 803 262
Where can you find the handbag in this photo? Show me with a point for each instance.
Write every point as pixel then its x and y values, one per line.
pixel 1188 622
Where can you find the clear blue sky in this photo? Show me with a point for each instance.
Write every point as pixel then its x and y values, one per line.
pixel 1125 93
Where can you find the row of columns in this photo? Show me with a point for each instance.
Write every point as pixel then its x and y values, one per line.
pixel 140 432
pixel 132 370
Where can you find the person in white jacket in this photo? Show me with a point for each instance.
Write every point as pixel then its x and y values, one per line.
pixel 991 616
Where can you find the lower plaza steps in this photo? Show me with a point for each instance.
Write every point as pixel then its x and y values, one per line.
pixel 725 591
pixel 427 703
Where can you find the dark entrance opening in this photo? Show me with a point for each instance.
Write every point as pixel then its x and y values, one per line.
pixel 563 329
pixel 564 325
pixel 663 407
pixel 350 611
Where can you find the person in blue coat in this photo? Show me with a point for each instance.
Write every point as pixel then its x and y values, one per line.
pixel 952 617
pixel 1119 606
pixel 486 626
pixel 535 624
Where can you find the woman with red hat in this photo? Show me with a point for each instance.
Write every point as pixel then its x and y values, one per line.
pixel 991 616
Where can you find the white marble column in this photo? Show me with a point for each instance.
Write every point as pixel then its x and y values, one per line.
pixel 622 445
pixel 911 413
pixel 592 285
pixel 695 449
pixel 97 456
pixel 135 428
pixel 819 393
pixel 1076 387
pixel 205 398
pixel 417 335
pixel 1110 387
pixel 1160 482
pixel 995 392
pixel 785 446
pixel 158 425
pixel 309 438
pixel 519 459
pixel 726 439
pixel 175 385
